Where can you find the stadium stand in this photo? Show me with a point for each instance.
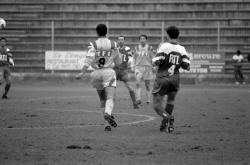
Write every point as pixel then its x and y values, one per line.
pixel 29 25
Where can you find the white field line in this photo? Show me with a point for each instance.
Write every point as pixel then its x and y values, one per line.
pixel 147 119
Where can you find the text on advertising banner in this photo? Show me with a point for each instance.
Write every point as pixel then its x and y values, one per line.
pixel 206 63
pixel 64 60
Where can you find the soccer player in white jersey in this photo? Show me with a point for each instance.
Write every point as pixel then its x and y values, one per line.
pixel 5 62
pixel 103 56
pixel 170 57
pixel 143 55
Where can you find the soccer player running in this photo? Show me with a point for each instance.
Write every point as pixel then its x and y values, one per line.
pixel 5 62
pixel 170 57
pixel 143 55
pixel 124 70
pixel 102 56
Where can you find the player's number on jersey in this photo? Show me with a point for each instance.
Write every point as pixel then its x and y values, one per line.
pixel 3 57
pixel 101 62
pixel 101 55
pixel 171 70
pixel 124 58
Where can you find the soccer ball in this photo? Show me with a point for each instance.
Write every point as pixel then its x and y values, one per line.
pixel 2 23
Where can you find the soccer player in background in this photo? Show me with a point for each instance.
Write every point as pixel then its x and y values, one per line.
pixel 170 57
pixel 238 59
pixel 143 55
pixel 102 56
pixel 125 69
pixel 5 61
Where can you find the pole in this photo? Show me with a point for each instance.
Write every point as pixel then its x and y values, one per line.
pixel 218 36
pixel 162 31
pixel 52 35
pixel 107 24
pixel 52 39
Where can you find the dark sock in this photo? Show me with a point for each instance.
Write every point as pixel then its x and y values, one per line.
pixel 169 108
pixel 132 95
pixel 102 95
pixel 7 88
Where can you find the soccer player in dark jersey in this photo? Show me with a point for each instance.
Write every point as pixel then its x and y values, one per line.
pixel 125 69
pixel 170 57
pixel 5 62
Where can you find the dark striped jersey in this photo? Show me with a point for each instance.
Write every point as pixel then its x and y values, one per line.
pixel 126 57
pixel 170 58
pixel 5 56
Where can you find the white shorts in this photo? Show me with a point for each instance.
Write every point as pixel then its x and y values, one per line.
pixel 102 78
pixel 144 72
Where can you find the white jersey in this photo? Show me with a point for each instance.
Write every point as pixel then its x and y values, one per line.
pixel 238 58
pixel 102 53
pixel 143 55
pixel 169 47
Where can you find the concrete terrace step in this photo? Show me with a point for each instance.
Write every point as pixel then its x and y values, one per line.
pixel 129 38
pixel 42 46
pixel 120 2
pixel 131 19
pixel 126 33
pixel 12 31
pixel 232 21
pixel 119 15
pixel 128 11
pixel 186 28
pixel 116 5
pixel 30 8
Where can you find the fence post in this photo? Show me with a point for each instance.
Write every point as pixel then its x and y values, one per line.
pixel 162 31
pixel 218 36
pixel 52 35
pixel 107 24
pixel 52 39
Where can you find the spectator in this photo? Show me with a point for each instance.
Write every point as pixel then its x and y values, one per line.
pixel 238 60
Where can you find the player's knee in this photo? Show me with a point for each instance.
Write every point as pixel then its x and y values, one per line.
pixel 156 104
pixel 137 85
pixel 109 97
pixel 130 89
pixel 8 80
pixel 170 102
pixel 157 108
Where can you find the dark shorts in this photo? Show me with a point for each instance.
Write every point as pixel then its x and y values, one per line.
pixel 124 75
pixel 5 73
pixel 164 85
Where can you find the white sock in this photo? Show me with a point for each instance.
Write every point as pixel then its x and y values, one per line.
pixel 109 106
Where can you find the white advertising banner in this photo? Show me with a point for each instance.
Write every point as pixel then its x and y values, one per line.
pixel 206 63
pixel 64 60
